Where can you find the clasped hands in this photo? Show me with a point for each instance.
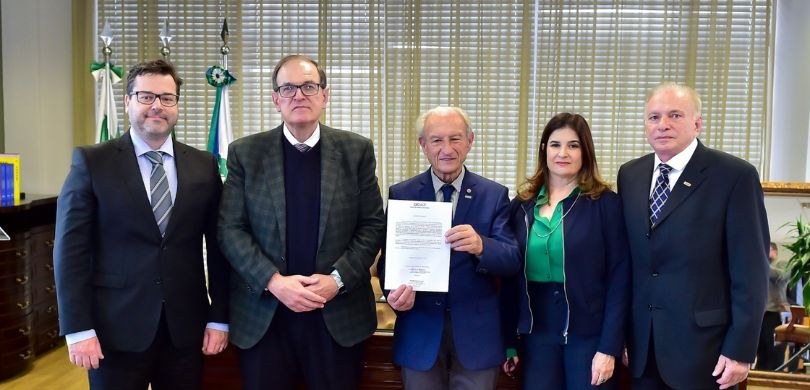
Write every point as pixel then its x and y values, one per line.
pixel 303 293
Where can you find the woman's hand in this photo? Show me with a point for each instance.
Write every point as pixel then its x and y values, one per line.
pixel 602 368
pixel 510 365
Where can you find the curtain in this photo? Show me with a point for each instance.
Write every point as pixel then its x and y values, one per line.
pixel 510 64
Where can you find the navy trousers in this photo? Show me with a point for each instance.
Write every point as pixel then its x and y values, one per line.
pixel 550 360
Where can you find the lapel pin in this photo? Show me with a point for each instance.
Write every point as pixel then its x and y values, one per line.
pixel 688 184
pixel 468 196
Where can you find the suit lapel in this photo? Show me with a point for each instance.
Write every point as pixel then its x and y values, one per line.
pixel 688 182
pixel 465 197
pixel 273 166
pixel 426 190
pixel 127 162
pixel 330 155
pixel 636 190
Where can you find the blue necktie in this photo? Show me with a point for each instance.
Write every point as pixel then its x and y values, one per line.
pixel 660 193
pixel 160 197
pixel 447 191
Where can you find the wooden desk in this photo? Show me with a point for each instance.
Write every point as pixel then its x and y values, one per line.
pixel 28 316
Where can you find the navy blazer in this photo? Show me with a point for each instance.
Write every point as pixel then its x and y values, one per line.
pixel 596 266
pixel 700 274
pixel 472 299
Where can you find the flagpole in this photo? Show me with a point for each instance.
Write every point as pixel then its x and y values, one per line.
pixel 224 49
pixel 108 74
pixel 220 134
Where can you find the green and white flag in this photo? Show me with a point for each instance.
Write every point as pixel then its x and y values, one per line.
pixel 106 114
pixel 220 134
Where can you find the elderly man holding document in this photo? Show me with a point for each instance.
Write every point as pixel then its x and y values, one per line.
pixel 453 339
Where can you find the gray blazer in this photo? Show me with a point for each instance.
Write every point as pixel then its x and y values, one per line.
pixel 252 231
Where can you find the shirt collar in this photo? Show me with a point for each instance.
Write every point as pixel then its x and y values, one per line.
pixel 679 161
pixel 542 195
pixel 141 147
pixel 311 141
pixel 438 183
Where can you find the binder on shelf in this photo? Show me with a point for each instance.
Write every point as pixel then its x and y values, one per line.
pixel 9 179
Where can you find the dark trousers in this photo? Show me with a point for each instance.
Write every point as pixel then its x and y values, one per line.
pixel 551 361
pixel 651 378
pixel 298 349
pixel 162 365
pixel 770 356
pixel 557 366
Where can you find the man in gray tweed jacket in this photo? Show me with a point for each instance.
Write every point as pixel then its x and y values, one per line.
pixel 300 222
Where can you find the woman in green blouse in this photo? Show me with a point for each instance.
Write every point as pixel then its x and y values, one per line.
pixel 566 312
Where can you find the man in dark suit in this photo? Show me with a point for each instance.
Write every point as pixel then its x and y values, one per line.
pixel 699 244
pixel 300 222
pixel 453 340
pixel 128 256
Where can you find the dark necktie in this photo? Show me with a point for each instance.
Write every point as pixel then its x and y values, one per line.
pixel 160 197
pixel 303 148
pixel 660 193
pixel 447 192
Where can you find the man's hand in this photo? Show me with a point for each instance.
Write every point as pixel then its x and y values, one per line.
pixel 733 371
pixel 402 298
pixel 601 368
pixel 625 358
pixel 292 292
pixel 214 341
pixel 463 238
pixel 325 286
pixel 85 353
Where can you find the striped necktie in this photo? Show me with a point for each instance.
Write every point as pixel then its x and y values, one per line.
pixel 660 193
pixel 159 194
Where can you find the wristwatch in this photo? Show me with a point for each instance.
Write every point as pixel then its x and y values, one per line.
pixel 338 280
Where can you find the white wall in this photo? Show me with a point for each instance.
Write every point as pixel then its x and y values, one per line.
pixel 791 98
pixel 38 90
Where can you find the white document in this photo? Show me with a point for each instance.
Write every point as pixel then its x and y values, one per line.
pixel 416 252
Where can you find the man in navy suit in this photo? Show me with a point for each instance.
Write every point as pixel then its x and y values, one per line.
pixel 128 256
pixel 699 239
pixel 453 339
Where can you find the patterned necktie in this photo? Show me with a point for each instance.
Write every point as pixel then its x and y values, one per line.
pixel 303 148
pixel 660 193
pixel 159 194
pixel 447 192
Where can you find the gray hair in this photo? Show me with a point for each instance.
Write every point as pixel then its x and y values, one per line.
pixel 671 85
pixel 442 110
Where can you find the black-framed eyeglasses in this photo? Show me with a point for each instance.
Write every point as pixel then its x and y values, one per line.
pixel 289 90
pixel 146 97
